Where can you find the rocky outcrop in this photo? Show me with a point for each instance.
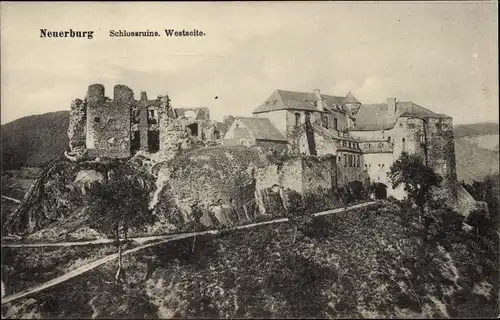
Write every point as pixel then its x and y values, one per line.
pixel 50 198
pixel 210 186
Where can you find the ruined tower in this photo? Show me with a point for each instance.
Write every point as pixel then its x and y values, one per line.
pixel 108 122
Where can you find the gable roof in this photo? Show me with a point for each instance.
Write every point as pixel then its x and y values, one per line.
pixel 292 100
pixel 262 129
pixel 374 117
pixel 350 98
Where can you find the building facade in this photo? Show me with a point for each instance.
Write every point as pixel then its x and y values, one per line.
pixel 366 139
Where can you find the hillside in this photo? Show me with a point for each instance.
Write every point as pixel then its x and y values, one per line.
pixel 374 263
pixel 35 140
pixel 475 129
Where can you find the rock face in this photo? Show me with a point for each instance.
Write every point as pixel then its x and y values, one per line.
pixel 211 186
pixel 51 198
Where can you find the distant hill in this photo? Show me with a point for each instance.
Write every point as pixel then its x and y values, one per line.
pixel 476 129
pixel 476 150
pixel 474 162
pixel 34 140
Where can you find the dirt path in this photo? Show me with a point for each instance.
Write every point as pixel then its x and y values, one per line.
pixel 11 199
pixel 95 264
pixel 87 242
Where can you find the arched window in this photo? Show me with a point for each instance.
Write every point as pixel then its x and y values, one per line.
pixel 325 122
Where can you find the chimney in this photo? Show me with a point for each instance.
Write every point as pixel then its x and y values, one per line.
pixel 144 96
pixel 391 106
pixel 319 100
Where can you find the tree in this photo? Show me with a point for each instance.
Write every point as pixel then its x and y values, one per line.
pixel 480 221
pixel 417 178
pixel 117 205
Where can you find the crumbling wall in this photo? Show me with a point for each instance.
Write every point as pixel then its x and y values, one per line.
pixel 316 173
pixel 108 122
pixel 77 126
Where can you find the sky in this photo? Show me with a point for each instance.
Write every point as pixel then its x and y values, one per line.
pixel 440 55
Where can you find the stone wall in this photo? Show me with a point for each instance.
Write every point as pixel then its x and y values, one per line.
pixel 108 122
pixel 441 148
pixel 77 127
pixel 269 145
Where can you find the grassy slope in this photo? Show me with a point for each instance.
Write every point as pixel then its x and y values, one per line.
pixel 34 140
pixel 370 264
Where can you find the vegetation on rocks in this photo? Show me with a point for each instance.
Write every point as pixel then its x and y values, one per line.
pixel 379 261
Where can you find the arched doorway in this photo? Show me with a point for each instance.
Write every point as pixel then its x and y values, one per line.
pixel 193 127
pixel 380 191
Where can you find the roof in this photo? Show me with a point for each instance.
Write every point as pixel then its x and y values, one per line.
pixel 374 117
pixel 292 100
pixel 350 98
pixel 262 129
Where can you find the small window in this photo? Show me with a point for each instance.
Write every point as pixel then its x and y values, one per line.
pixel 366 167
pixel 340 158
pixel 383 166
pixel 400 124
pixel 97 119
pixel 297 119
pixel 358 161
pixel 325 122
pixel 345 160
pixel 335 124
pixel 388 139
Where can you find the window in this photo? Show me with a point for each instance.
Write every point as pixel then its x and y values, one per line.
pixel 97 119
pixel 350 160
pixel 388 139
pixel 369 146
pixel 366 167
pixel 383 166
pixel 345 160
pixel 216 134
pixel 358 159
pixel 297 119
pixel 325 122
pixel 340 158
pixel 335 124
pixel 404 143
pixel 152 116
pixel 136 118
pixel 400 124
